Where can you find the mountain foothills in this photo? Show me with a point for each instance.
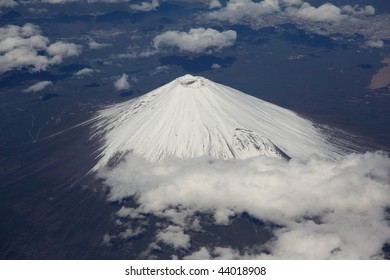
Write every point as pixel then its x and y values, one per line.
pixel 193 117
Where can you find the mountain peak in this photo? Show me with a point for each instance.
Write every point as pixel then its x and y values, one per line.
pixel 217 121
pixel 191 81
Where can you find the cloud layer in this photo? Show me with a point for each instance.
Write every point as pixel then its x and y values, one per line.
pixel 25 47
pixel 326 209
pixel 197 40
pixel 238 11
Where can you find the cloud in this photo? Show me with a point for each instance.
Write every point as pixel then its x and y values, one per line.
pixel 292 2
pixel 84 71
pixel 58 1
pixel 197 40
pixel 244 11
pixel 122 83
pixel 25 47
pixel 175 237
pixel 130 233
pixel 215 4
pixel 356 10
pixel 137 52
pixel 8 3
pixel 145 6
pixel 88 1
pixel 325 209
pixel 202 254
pixel 38 86
pixel 59 50
pixel 94 45
pixel 375 44
pixel 238 10
pixel 325 13
pixel 159 69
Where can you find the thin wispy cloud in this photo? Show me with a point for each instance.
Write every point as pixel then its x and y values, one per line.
pixel 38 86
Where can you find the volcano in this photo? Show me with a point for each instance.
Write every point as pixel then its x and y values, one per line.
pixel 194 117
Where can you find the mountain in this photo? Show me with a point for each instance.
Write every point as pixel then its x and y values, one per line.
pixel 194 117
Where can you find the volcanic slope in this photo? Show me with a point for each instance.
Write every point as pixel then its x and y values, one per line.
pixel 193 117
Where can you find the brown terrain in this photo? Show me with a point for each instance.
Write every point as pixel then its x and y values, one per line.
pixel 382 78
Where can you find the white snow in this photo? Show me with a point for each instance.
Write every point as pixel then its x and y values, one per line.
pixel 194 117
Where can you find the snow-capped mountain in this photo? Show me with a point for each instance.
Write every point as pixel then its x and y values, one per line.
pixel 194 117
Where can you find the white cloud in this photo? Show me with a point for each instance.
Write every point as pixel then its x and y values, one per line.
pixel 25 47
pixel 292 2
pixel 88 1
pixel 197 40
pixel 146 6
pixel 325 13
pixel 159 69
pixel 356 10
pixel 94 45
pixel 130 233
pixel 37 11
pixel 122 83
pixel 244 11
pixel 84 71
pixel 238 10
pixel 60 50
pixel 215 4
pixel 375 44
pixel 216 66
pixel 107 1
pixel 8 3
pixel 58 1
pixel 348 198
pixel 38 86
pixel 175 237
pixel 201 254
pixel 136 52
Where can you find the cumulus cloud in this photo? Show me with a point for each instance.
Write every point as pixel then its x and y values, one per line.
pixel 292 2
pixel 145 6
pixel 25 47
pixel 239 11
pixel 202 254
pixel 59 50
pixel 197 40
pixel 8 3
pixel 58 1
pixel 88 1
pixel 84 72
pixel 215 4
pixel 375 44
pixel 356 10
pixel 130 233
pixel 175 237
pixel 122 83
pixel 325 209
pixel 38 86
pixel 216 66
pixel 94 45
pixel 326 12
